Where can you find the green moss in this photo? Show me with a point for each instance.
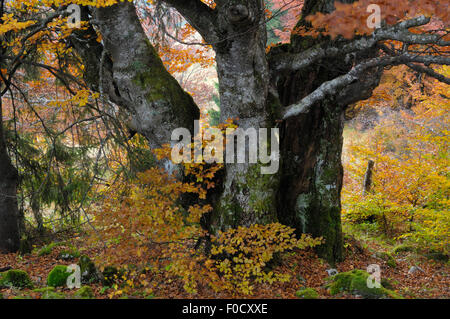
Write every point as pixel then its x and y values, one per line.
pixel 228 212
pixel 262 190
pixel 89 273
pixel 390 261
pixel 15 278
pixel 403 248
pixel 152 76
pixel 307 293
pixel 355 282
pixel 47 250
pixel 85 292
pixel 22 297
pixel 69 254
pixel 49 293
pixel 58 276
pixel 437 256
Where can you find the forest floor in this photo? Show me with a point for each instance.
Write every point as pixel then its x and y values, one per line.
pixel 305 268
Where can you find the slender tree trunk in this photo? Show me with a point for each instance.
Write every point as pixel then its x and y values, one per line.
pixel 9 214
pixel 367 184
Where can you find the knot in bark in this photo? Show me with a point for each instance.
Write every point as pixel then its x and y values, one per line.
pixel 238 13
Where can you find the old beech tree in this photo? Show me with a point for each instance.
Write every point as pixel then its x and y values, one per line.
pixel 302 87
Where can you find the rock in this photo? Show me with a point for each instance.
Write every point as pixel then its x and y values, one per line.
pixel 415 269
pixel 49 293
pixel 403 249
pixel 15 278
pixel 89 272
pixel 355 282
pixel 390 261
pixel 69 254
pixel 307 293
pixel 58 276
pixel 437 256
pixel 332 272
pixel 85 292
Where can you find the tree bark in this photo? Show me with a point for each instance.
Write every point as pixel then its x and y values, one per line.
pixel 247 197
pixel 9 214
pixel 311 177
pixel 367 184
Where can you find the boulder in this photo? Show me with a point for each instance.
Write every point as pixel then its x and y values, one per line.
pixel 355 282
pixel 58 276
pixel 15 278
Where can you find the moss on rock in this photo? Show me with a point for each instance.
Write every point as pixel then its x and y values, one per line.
pixel 47 250
pixel 307 293
pixel 15 278
pixel 85 292
pixel 58 276
pixel 89 273
pixel 69 254
pixel 403 248
pixel 49 293
pixel 390 261
pixel 355 282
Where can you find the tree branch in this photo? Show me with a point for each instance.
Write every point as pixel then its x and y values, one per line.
pixel 399 32
pixel 332 87
pixel 429 72
pixel 199 16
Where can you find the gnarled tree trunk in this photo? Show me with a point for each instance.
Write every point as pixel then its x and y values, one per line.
pixel 305 192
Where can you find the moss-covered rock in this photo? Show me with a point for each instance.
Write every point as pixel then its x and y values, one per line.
pixel 307 293
pixel 89 272
pixel 58 276
pixel 47 250
pixel 437 256
pixel 355 282
pixel 69 254
pixel 85 292
pixel 403 248
pixel 49 293
pixel 390 261
pixel 15 278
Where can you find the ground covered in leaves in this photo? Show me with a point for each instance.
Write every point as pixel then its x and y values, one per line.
pixel 430 280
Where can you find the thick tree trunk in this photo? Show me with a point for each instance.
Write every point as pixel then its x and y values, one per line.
pixel 247 196
pixel 309 197
pixel 311 181
pixel 305 193
pixel 9 214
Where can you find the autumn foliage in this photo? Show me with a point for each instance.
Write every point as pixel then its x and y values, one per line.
pixel 409 196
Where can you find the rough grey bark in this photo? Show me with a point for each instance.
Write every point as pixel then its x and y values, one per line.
pixel 143 85
pixel 311 137
pixel 247 197
pixel 127 70
pixel 9 214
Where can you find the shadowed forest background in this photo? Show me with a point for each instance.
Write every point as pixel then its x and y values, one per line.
pixel 86 179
